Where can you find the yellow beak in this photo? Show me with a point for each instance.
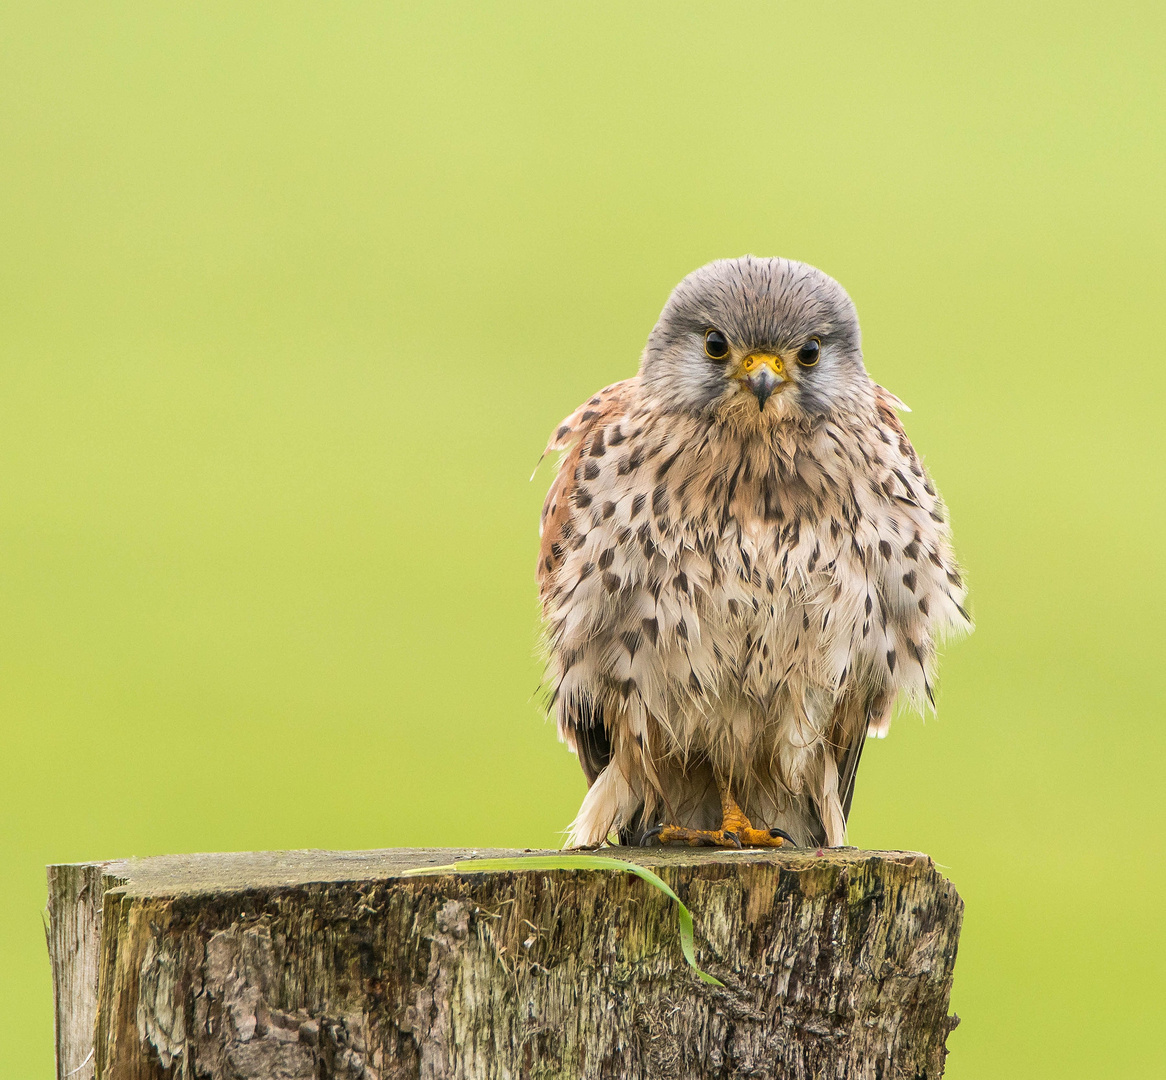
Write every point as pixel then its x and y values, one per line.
pixel 763 373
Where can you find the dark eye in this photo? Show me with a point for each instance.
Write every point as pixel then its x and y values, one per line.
pixel 715 345
pixel 808 354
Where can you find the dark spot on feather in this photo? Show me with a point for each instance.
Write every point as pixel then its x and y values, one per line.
pixel 667 463
pixel 679 583
pixel 659 500
pixel 869 605
pixel 562 431
pixel 923 605
pixel 884 549
pixel 582 498
pixel 912 550
pixel 632 462
pixel 598 448
pixel 557 550
pixel 606 558
pixel 814 557
pixel 631 641
pixel 586 570
pixel 652 629
pixel 909 580
pixel 590 471
pixel 623 535
pixel 954 578
pixel 891 659
pixel 734 607
pixel 608 509
pixel 616 437
pixel 611 581
pixel 590 414
pixel 548 562
pixel 638 503
pixel 682 630
pixel 935 516
pixel 694 683
pixel 805 619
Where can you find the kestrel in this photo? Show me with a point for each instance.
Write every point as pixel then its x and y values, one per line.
pixel 743 565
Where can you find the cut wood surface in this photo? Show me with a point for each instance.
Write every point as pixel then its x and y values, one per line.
pixel 319 965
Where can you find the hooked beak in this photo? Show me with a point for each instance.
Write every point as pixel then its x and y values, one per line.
pixel 763 373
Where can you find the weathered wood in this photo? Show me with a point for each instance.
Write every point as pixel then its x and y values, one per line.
pixel 320 965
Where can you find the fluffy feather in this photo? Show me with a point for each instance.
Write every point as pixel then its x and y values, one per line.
pixel 739 594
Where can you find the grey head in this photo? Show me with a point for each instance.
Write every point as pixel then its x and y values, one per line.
pixel 777 335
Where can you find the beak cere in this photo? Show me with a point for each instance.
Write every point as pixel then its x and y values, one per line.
pixel 763 374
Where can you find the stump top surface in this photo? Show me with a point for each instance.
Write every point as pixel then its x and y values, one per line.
pixel 195 874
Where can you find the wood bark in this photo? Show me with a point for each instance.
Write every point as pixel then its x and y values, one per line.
pixel 332 966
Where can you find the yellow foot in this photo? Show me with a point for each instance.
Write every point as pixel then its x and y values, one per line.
pixel 734 834
pixel 736 831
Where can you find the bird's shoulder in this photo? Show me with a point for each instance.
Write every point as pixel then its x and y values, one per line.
pixel 595 411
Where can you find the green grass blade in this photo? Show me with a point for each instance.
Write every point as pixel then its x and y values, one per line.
pixel 585 862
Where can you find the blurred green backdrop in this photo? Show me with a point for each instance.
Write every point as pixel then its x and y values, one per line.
pixel 292 295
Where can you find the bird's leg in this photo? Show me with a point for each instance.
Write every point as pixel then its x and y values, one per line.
pixel 736 830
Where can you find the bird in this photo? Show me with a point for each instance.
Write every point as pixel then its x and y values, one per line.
pixel 743 565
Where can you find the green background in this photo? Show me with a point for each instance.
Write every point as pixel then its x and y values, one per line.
pixel 292 294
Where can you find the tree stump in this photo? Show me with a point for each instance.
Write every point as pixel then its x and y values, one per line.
pixel 321 965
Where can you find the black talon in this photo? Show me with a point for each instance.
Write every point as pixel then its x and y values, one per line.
pixel 732 836
pixel 775 833
pixel 651 834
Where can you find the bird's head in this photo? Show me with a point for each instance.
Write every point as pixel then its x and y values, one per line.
pixel 756 340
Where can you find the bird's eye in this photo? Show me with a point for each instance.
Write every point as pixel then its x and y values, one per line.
pixel 715 345
pixel 808 354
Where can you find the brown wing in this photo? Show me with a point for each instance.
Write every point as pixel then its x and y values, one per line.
pixel 848 735
pixel 581 722
pixel 575 436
